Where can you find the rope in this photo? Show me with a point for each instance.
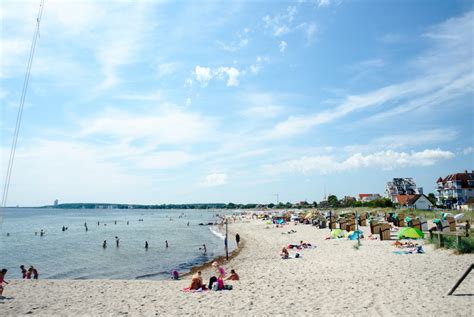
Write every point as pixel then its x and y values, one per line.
pixel 20 109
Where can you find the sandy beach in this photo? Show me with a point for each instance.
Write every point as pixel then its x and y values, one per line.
pixel 333 278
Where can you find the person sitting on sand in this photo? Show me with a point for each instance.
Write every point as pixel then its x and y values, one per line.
pixel 284 253
pixel 3 272
pixel 220 275
pixel 196 282
pixel 233 276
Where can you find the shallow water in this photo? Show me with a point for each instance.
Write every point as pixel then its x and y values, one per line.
pixel 78 254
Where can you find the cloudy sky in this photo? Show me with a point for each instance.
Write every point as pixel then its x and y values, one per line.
pixel 235 101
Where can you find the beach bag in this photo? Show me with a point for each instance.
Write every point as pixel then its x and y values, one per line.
pixel 220 283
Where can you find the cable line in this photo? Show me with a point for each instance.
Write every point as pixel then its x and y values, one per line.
pixel 20 108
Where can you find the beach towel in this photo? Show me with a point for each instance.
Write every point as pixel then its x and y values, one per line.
pixel 188 290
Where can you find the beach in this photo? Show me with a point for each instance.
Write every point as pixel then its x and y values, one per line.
pixel 333 278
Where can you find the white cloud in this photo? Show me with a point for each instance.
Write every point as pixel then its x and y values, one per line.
pixel 468 150
pixel 234 46
pixel 323 3
pixel 311 30
pixel 163 160
pixel 282 46
pixel 404 140
pixel 232 75
pixel 205 74
pixel 269 111
pixel 263 105
pixel 166 69
pixel 167 125
pixel 441 76
pixel 386 160
pixel 188 102
pixel 154 96
pixel 215 179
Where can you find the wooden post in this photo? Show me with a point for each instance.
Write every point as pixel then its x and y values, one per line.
pixel 226 242
pixel 461 279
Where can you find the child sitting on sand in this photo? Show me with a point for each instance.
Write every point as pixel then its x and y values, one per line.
pixel 3 272
pixel 284 253
pixel 233 276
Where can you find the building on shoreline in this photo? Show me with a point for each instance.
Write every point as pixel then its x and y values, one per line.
pixel 368 197
pixel 421 202
pixel 455 189
pixel 401 186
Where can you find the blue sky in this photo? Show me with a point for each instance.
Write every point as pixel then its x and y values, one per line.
pixel 235 101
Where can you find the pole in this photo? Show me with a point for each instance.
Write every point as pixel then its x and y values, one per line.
pixel 357 229
pixel 226 241
pixel 461 279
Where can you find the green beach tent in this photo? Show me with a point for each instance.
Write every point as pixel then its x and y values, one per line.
pixel 410 233
pixel 337 233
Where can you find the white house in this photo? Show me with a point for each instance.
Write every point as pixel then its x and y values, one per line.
pixel 420 202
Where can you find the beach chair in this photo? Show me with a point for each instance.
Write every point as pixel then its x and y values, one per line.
pixel 452 223
pixel 415 223
pixel 385 231
pixel 342 223
pixel 363 220
pixel 423 223
pixel 350 225
pixel 375 227
pixel 445 226
pixel 401 220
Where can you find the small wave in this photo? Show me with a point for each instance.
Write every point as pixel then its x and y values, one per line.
pixel 216 232
pixel 151 275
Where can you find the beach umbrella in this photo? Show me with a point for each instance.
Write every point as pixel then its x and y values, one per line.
pixel 353 235
pixel 412 233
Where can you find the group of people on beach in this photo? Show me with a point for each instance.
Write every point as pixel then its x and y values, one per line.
pixel 32 272
pixel 215 282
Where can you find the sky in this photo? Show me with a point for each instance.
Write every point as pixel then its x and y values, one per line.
pixel 153 102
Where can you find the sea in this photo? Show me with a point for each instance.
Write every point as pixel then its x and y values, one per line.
pixel 77 253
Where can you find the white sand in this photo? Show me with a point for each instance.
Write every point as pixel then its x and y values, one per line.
pixel 332 279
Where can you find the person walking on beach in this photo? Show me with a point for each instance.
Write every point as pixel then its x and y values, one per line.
pixel 117 241
pixel 237 239
pixel 3 272
pixel 166 243
pixel 24 272
pixel 104 244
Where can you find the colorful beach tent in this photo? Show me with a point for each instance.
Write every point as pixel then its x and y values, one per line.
pixel 354 234
pixel 410 233
pixel 337 233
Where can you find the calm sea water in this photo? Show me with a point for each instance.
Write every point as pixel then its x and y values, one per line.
pixel 78 254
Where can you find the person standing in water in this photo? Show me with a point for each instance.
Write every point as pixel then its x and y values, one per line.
pixel 104 245
pixel 24 272
pixel 146 245
pixel 117 241
pixel 166 243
